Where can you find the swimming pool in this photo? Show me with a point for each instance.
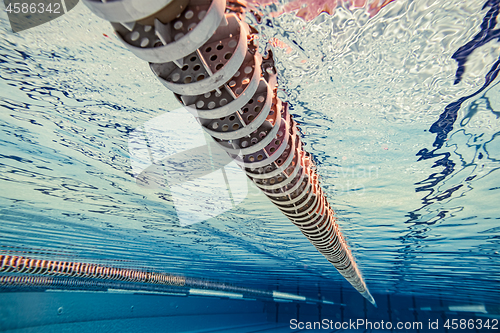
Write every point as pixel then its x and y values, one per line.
pixel 415 197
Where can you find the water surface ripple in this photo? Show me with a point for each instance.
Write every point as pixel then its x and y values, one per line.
pixel 365 92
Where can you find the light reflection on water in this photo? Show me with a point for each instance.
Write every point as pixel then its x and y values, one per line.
pixel 365 92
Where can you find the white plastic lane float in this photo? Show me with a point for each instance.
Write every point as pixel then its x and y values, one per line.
pixel 205 53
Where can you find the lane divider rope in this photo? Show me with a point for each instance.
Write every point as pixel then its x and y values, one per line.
pixel 207 55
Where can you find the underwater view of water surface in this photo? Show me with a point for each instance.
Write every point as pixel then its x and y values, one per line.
pixel 399 109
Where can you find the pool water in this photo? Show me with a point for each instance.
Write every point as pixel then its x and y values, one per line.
pixel 407 152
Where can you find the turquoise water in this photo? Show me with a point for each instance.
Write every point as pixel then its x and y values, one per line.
pixel 365 92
